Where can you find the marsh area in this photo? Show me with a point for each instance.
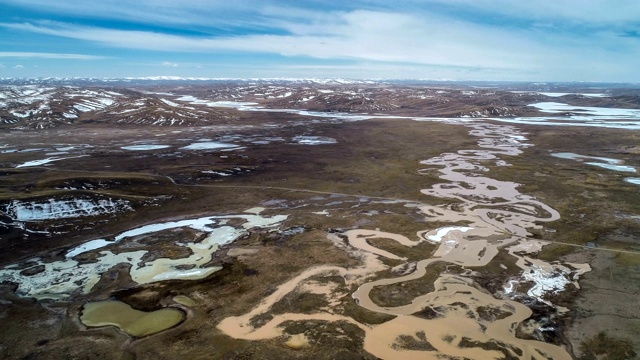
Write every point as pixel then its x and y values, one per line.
pixel 309 230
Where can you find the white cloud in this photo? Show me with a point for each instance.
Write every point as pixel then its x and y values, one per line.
pixel 591 11
pixel 202 12
pixel 403 38
pixel 184 12
pixel 5 54
pixel 391 37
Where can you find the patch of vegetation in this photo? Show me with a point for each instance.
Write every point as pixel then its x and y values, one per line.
pixel 627 259
pixel 466 342
pixel 362 315
pixel 305 303
pixel 337 335
pixel 497 265
pixel 428 313
pixel 604 347
pixel 415 253
pixel 491 313
pixel 260 320
pixel 404 292
pixel 411 343
pixel 553 252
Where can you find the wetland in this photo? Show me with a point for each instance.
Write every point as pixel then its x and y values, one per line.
pixel 262 228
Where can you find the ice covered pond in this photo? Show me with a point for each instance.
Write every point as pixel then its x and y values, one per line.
pixel 251 106
pixel 45 161
pixel 559 94
pixel 62 208
pixel 210 145
pixel 555 107
pixel 55 280
pixel 603 162
pixel 144 147
pixel 575 115
pixel 240 105
pixel 570 115
pixel 635 181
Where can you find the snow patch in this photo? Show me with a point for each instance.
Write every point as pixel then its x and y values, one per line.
pixel 45 161
pixel 442 232
pixel 546 281
pixel 220 173
pixel 170 103
pixel 314 140
pixel 61 209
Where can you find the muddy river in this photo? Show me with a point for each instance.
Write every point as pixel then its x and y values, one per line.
pixel 486 216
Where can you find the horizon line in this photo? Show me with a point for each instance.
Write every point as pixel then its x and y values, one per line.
pixel 336 79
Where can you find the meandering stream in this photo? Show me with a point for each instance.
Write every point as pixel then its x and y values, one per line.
pixel 485 217
pixel 496 217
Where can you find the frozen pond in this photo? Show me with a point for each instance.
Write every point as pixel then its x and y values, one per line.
pixel 58 279
pixel 579 115
pixel 144 147
pixel 88 246
pixel 251 106
pixel 558 94
pixel 45 161
pixel 611 122
pixel 209 145
pixel 240 105
pixel 63 208
pixel 605 163
pixel 622 168
pixel 555 108
pixel 574 156
pixel 635 181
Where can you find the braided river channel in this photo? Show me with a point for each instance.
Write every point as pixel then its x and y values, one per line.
pixel 486 216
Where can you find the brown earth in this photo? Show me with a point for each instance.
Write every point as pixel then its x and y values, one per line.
pixel 372 159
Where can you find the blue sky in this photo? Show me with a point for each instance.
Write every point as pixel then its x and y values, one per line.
pixel 542 40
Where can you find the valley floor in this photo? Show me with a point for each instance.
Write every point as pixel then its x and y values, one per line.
pixel 276 234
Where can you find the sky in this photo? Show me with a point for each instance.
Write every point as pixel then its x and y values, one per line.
pixel 501 40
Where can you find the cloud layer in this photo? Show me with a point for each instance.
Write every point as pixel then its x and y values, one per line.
pixel 488 39
pixel 26 55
